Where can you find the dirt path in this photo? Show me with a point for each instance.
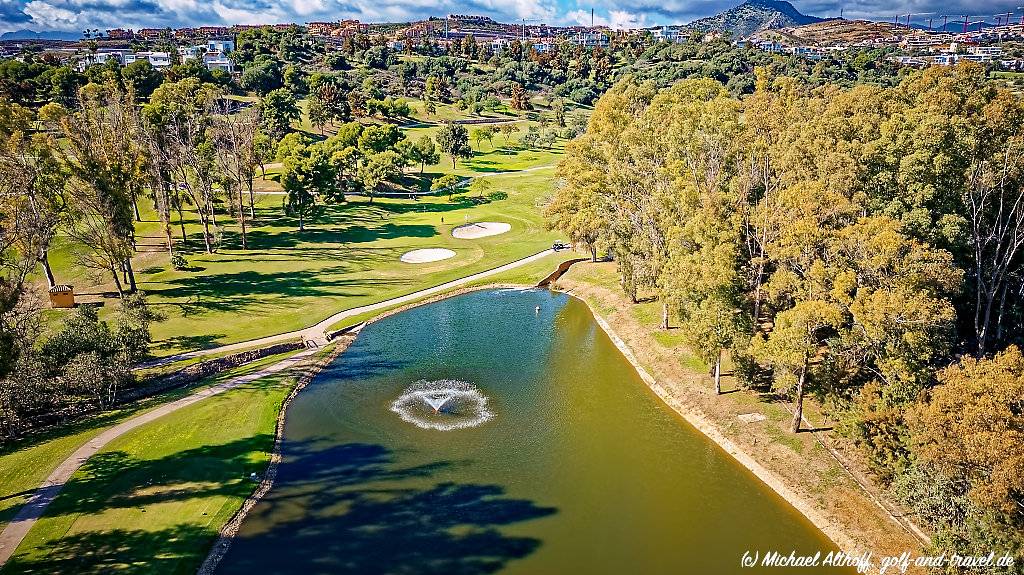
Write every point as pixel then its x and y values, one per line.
pixel 36 505
pixel 318 333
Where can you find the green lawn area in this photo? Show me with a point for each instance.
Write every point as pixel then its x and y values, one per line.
pixel 153 499
pixel 348 257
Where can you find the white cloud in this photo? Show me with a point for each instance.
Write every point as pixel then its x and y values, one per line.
pixel 52 17
pixel 616 19
pixel 622 20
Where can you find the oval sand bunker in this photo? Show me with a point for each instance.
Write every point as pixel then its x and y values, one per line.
pixel 480 230
pixel 427 255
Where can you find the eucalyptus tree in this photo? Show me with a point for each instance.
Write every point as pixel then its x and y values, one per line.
pixel 235 137
pixel 106 169
pixel 32 186
pixel 183 113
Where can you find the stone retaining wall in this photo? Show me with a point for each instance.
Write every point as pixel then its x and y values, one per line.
pixel 195 372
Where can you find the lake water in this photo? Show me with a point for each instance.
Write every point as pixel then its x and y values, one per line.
pixel 581 469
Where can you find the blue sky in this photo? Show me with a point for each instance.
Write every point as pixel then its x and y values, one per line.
pixel 76 15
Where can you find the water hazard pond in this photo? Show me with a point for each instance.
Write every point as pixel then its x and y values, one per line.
pixel 578 469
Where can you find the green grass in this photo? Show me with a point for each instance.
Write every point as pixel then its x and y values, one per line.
pixel 26 463
pixel 500 155
pixel 348 257
pixel 154 499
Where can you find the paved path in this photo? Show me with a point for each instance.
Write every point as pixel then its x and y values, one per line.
pixel 36 505
pixel 318 332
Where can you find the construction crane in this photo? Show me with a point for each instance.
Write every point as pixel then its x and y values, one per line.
pixel 999 18
pixel 967 21
pixel 525 20
pixel 916 14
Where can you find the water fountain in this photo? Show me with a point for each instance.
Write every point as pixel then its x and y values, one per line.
pixel 443 405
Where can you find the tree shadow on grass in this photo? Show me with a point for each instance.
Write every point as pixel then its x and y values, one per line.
pixel 349 234
pixel 235 291
pixel 95 552
pixel 189 341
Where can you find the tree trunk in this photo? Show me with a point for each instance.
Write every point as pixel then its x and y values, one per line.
pixel 718 373
pixel 982 321
pixel 252 201
pixel 44 261
pixel 132 288
pixel 593 253
pixel 798 411
pixel 181 222
pixel 170 239
pixel 117 282
pixel 1002 313
pixel 135 206
pixel 664 315
pixel 206 234
pixel 241 218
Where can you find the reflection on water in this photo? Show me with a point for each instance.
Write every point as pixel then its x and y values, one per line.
pixel 581 469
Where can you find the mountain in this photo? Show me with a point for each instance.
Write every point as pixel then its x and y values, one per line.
pixel 45 35
pixel 834 31
pixel 753 16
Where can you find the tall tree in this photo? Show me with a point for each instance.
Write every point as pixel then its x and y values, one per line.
pixel 453 139
pixel 796 340
pixel 308 172
pixel 107 170
pixel 234 136
pixel 183 112
pixel 32 183
pixel 279 111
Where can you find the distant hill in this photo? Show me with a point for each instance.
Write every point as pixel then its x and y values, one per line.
pixel 832 32
pixel 45 35
pixel 754 16
pixel 958 26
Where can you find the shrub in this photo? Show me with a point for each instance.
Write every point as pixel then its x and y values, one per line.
pixel 179 262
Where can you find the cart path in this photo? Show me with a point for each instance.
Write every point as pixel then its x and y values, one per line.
pixel 33 509
pixel 318 333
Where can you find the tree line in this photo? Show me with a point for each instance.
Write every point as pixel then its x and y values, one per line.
pixel 863 246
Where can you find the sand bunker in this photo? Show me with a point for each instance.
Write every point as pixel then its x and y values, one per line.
pixel 480 230
pixel 427 255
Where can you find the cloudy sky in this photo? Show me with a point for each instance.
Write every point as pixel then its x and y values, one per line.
pixel 76 15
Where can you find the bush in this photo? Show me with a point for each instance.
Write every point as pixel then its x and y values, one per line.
pixel 498 195
pixel 179 262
